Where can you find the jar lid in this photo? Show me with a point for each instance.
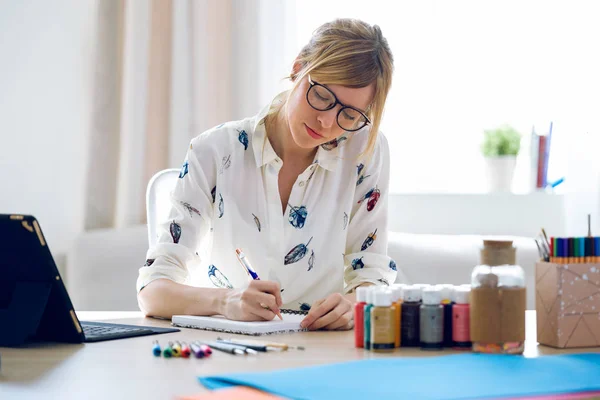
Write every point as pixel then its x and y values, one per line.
pixel 412 294
pixel 446 291
pixel 496 243
pixel 432 296
pixel 369 294
pixel 383 298
pixel 498 252
pixel 361 294
pixel 396 292
pixel 462 295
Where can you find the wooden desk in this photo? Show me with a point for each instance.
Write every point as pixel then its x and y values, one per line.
pixel 127 369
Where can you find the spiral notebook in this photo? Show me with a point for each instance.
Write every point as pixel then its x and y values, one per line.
pixel 291 323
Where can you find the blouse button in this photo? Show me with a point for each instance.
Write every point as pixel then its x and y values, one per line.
pixel 301 183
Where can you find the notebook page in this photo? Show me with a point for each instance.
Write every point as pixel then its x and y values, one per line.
pixel 290 323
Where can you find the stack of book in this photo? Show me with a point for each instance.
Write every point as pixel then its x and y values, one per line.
pixel 540 155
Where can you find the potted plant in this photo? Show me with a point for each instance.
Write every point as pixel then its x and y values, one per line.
pixel 500 148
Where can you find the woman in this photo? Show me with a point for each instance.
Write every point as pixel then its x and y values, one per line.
pixel 301 188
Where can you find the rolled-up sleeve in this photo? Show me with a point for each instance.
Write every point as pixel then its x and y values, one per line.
pixel 366 257
pixel 189 219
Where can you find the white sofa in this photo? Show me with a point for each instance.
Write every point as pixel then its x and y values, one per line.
pixel 102 265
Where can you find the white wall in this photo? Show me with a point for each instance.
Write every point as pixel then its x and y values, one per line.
pixel 479 214
pixel 45 67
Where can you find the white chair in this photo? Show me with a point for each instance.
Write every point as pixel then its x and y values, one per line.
pixel 158 200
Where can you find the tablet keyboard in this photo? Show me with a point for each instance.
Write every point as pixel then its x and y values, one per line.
pixel 98 331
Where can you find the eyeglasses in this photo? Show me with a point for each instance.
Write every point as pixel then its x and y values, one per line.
pixel 322 99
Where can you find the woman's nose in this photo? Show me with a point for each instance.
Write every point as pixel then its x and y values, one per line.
pixel 327 118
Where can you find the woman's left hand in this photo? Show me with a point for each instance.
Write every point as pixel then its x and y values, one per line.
pixel 332 313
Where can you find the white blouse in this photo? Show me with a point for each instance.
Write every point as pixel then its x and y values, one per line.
pixel 331 238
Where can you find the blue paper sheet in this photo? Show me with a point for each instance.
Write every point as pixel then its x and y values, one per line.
pixel 465 376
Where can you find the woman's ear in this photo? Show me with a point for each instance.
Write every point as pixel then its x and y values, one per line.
pixel 296 68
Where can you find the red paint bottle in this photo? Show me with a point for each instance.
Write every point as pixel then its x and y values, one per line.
pixel 461 318
pixel 359 317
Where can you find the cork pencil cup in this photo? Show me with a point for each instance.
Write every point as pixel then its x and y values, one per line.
pixel 567 304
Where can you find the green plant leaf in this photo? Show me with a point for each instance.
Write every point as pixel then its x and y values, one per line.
pixel 502 141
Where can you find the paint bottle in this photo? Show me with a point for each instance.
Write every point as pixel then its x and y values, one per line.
pixel 410 317
pixel 447 292
pixel 359 321
pixel 367 317
pixel 461 317
pixel 432 320
pixel 397 304
pixel 383 318
pixel 498 301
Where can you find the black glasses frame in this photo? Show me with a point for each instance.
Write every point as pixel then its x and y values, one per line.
pixel 313 83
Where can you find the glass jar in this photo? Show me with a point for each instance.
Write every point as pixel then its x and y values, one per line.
pixel 498 300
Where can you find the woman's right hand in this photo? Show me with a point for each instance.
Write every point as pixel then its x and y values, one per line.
pixel 248 304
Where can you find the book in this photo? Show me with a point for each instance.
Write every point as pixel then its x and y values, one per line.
pixel 533 156
pixel 290 323
pixel 541 162
pixel 543 156
pixel 547 156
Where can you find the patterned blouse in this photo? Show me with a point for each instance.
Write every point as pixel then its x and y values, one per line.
pixel 331 238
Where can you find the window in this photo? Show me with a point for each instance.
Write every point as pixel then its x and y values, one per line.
pixel 466 66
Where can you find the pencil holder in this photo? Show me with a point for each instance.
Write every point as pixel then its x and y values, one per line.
pixel 568 304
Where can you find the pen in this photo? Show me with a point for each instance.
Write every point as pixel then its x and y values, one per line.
pixel 253 347
pixel 168 351
pixel 196 350
pixel 269 345
pixel 185 350
pixel 156 349
pixel 248 268
pixel 176 349
pixel 246 264
pixel 540 252
pixel 226 348
pixel 207 351
pixel 545 237
pixel 243 347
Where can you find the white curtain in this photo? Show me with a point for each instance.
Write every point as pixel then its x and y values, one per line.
pixel 165 71
pixel 104 137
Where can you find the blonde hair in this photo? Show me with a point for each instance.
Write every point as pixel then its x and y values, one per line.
pixel 351 53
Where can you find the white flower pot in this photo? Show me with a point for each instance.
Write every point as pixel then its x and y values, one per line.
pixel 499 173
